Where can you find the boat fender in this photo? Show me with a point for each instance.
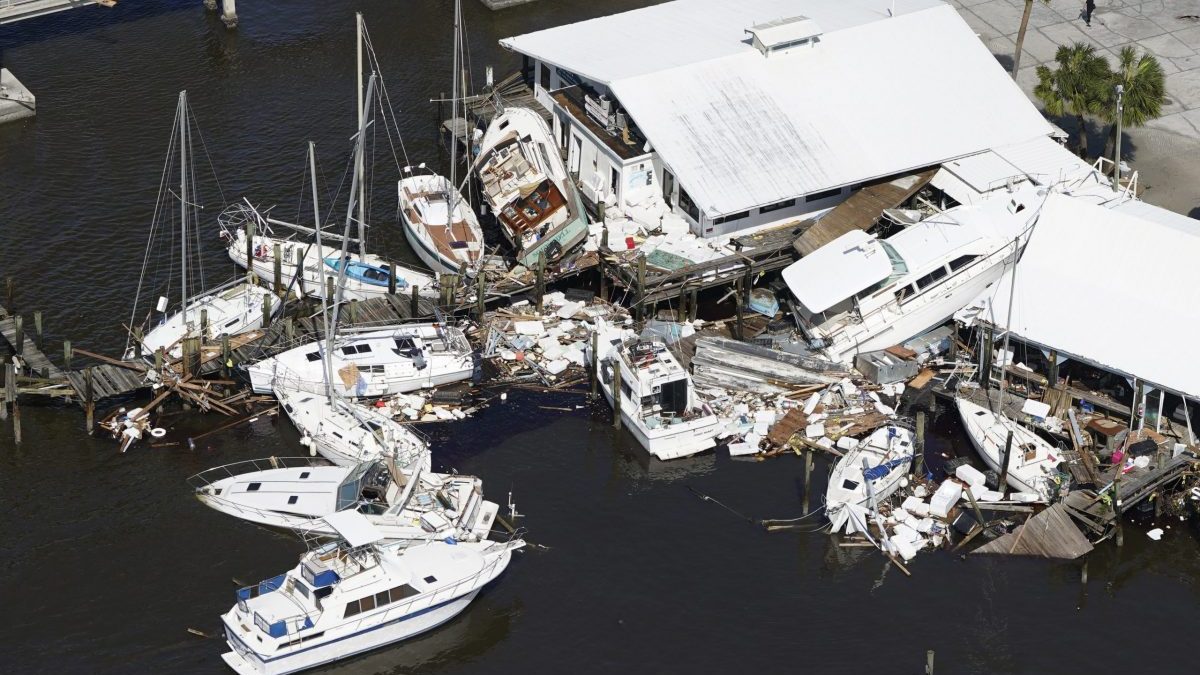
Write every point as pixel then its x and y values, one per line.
pixel 158 432
pixel 305 441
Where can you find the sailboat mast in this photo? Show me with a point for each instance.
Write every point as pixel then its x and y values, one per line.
pixel 183 201
pixel 1008 323
pixel 354 185
pixel 325 370
pixel 362 190
pixel 450 191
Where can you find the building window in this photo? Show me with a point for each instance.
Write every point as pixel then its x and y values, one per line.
pixel 544 76
pixel 689 207
pixel 614 181
pixel 731 217
pixel 787 203
pixel 818 196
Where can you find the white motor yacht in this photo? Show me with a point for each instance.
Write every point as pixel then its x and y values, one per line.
pixel 658 401
pixel 295 493
pixel 375 362
pixel 860 293
pixel 354 595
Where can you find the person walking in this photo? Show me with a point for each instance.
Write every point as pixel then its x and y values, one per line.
pixel 1088 8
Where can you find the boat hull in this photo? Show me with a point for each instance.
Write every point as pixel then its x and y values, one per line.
pixel 678 440
pixel 988 435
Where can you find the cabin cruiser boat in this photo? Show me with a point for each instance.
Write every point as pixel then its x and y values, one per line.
pixel 658 400
pixel 888 453
pixel 1032 460
pixel 444 243
pixel 295 493
pixel 377 362
pixel 526 185
pixel 348 434
pixel 860 293
pixel 354 595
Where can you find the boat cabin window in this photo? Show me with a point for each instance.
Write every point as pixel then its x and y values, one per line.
pixel 931 278
pixel 626 390
pixel 253 487
pixel 313 356
pixel 962 261
pixel 674 396
pixel 356 349
pixel 304 474
pixel 379 599
pixel 848 484
pixel 899 267
pixel 905 293
pixel 320 593
pixel 431 579
pixel 293 499
pixel 231 323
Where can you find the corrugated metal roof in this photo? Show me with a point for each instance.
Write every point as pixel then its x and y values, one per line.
pixel 1090 273
pixel 876 97
pixel 1045 161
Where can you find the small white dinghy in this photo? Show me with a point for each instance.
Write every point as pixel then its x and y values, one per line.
pixel 372 363
pixel 354 595
pixel 888 452
pixel 348 434
pixel 1031 461
pixel 405 504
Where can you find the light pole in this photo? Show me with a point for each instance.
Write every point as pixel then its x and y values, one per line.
pixel 1120 116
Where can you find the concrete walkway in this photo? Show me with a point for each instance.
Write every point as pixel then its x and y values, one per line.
pixel 1169 29
pixel 1164 151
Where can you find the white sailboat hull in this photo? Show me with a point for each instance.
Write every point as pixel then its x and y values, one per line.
pixel 847 483
pixel 231 311
pixel 989 434
pixel 467 232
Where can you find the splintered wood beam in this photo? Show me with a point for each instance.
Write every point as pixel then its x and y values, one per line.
pixel 131 365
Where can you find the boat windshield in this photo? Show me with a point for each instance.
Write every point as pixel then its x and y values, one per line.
pixel 899 267
pixel 351 488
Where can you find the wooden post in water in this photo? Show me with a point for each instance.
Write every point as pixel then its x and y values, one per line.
pixel 37 328
pixel 1116 504
pixel 929 662
pixel 329 290
pixel 1053 367
pixel 919 450
pixel 226 354
pixel 352 311
pixel 480 294
pixel 250 251
pixel 89 398
pixel 138 336
pixel 9 292
pixel 739 299
pixel 4 390
pixel 277 252
pixel 1002 484
pixel 160 358
pixel 266 311
pixel 185 362
pixel 540 289
pixel 289 329
pixel 682 310
pixel 414 303
pixel 603 267
pixel 595 365
pixel 808 467
pixel 641 287
pixel 391 280
pixel 68 353
pixel 19 323
pixel 203 324
pixel 985 361
pixel 1138 410
pixel 693 306
pixel 10 386
pixel 300 272
pixel 616 389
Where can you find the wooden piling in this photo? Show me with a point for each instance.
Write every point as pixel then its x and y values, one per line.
pixel 1053 368
pixel 929 662
pixel 9 293
pixel 352 311
pixel 300 272
pixel 266 311
pixel 277 253
pixel 808 467
pixel 250 251
pixel 329 290
pixel 68 353
pixel 616 389
pixel 919 454
pixel 693 306
pixel 203 324
pixel 540 290
pixel 4 390
pixel 739 310
pixel 19 324
pixel 289 329
pixel 641 287
pixel 10 386
pixel 1137 410
pixel 226 354
pixel 89 397
pixel 603 267
pixel 595 370
pixel 37 328
pixel 185 361
pixel 414 303
pixel 985 360
pixel 480 294
pixel 1002 484
pixel 139 335
pixel 682 312
pixel 391 281
pixel 160 358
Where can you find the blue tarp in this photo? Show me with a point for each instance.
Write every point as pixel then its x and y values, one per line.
pixel 877 472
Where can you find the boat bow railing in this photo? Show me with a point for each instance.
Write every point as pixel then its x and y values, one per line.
pixel 207 478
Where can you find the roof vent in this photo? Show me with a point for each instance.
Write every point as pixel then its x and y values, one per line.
pixel 784 34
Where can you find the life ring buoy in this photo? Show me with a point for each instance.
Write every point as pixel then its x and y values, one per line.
pixel 158 432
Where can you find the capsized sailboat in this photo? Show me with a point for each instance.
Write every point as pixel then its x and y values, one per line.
pixel 888 452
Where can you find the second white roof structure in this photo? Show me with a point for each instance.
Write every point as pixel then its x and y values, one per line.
pixel 1114 286
pixel 872 94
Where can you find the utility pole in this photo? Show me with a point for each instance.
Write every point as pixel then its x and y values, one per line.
pixel 1120 116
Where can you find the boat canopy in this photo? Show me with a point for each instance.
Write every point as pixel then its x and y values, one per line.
pixel 354 528
pixel 851 263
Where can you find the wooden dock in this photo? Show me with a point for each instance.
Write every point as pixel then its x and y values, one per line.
pixel 13 329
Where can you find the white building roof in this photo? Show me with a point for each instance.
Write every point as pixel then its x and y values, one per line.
pixel 837 270
pixel 1113 286
pixel 740 130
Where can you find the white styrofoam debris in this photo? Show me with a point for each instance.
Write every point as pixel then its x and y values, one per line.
pixel 847 387
pixel 741 408
pixel 905 549
pixel 811 404
pixel 429 417
pixel 443 413
pixel 815 430
pixel 899 388
pixel 920 492
pixel 846 443
pixel 1025 497
pixel 553 299
pixel 947 495
pixel 874 396
pixel 529 327
pixel 925 525
pixel 458 413
pixel 970 475
pixel 916 507
pixel 569 309
pixel 741 448
pixel 905 534
pixel 576 356
pixel 990 496
pixel 761 428
pixel 888 390
pixel 884 409
pixel 556 366
pixel 507 354
pixel 825 442
pixel 1155 534
pixel 816 417
pixel 902 516
pixel 767 416
pixel 753 439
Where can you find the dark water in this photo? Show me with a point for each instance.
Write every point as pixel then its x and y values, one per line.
pixel 107 560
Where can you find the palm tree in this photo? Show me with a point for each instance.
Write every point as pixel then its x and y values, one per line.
pixel 1021 35
pixel 1145 92
pixel 1078 87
